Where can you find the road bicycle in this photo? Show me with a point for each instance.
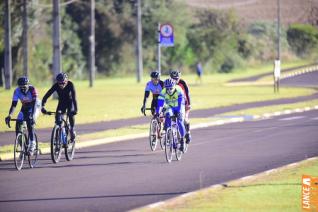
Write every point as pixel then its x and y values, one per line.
pixel 21 146
pixel 60 138
pixel 172 141
pixel 155 133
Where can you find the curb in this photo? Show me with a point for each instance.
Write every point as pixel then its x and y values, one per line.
pixel 96 142
pixel 221 185
pixel 283 76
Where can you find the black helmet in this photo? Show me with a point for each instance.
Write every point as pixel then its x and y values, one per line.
pixel 61 77
pixel 155 74
pixel 23 81
pixel 175 74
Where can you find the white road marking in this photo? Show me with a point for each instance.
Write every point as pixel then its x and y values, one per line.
pixel 292 118
pixel 316 118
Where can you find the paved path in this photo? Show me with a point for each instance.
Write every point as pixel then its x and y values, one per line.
pixel 125 175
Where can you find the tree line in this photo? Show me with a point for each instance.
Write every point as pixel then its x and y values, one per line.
pixel 216 38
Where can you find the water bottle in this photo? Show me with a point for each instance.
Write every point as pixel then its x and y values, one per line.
pixel 64 136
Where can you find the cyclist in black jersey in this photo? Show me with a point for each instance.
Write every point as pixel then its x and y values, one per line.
pixel 67 99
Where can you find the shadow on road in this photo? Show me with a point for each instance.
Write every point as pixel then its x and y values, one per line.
pixel 94 197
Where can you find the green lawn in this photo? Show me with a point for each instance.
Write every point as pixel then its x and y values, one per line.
pixel 276 192
pixel 120 98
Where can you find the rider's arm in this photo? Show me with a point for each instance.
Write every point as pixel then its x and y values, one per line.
pixel 146 97
pixel 34 95
pixel 160 103
pixel 49 93
pixel 180 101
pixel 12 107
pixel 73 93
pixel 186 91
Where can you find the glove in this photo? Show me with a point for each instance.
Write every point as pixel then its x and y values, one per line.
pixel 43 110
pixel 143 109
pixel 7 120
pixel 178 115
pixel 156 115
pixel 187 107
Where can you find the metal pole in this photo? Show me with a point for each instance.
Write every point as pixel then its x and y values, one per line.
pixel 92 46
pixel 7 51
pixel 276 76
pixel 56 37
pixel 159 51
pixel 25 39
pixel 139 43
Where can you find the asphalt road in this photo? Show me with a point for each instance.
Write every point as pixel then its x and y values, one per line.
pixel 125 175
pixel 305 80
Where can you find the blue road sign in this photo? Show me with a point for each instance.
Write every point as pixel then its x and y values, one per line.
pixel 166 35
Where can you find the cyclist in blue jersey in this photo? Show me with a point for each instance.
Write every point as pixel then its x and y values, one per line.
pixel 155 85
pixel 27 95
pixel 173 99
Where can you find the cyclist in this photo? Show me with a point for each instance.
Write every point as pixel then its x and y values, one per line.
pixel 175 74
pixel 172 98
pixel 155 85
pixel 67 99
pixel 27 94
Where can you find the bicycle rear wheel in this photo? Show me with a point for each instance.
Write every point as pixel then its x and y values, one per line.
pixel 69 149
pixel 19 150
pixel 169 145
pixel 56 144
pixel 34 158
pixel 153 136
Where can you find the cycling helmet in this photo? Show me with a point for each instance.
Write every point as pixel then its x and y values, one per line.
pixel 155 74
pixel 23 81
pixel 61 77
pixel 175 74
pixel 169 83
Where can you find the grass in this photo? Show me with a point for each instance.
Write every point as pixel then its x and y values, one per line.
pixel 121 98
pixel 278 191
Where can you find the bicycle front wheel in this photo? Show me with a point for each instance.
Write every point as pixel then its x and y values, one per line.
pixel 153 136
pixel 169 145
pixel 34 158
pixel 56 144
pixel 70 149
pixel 19 150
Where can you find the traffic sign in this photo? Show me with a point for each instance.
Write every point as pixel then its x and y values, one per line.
pixel 166 37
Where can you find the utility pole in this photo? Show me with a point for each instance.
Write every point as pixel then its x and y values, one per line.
pixel 25 39
pixel 277 61
pixel 159 51
pixel 139 42
pixel 92 46
pixel 7 51
pixel 56 37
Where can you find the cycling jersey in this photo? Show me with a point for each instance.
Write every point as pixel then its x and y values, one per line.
pixel 154 89
pixel 67 100
pixel 67 95
pixel 27 99
pixel 174 101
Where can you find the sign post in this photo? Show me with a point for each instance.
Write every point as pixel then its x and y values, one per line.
pixel 276 75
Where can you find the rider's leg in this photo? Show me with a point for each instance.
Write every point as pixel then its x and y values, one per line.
pixel 182 131
pixel 19 123
pixel 72 124
pixel 30 125
pixel 187 127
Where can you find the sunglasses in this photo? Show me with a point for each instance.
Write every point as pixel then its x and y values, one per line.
pixel 61 83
